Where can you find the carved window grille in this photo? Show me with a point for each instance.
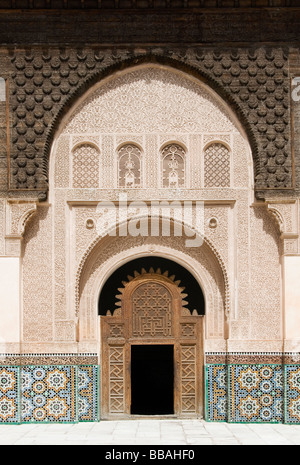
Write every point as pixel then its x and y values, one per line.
pixel 85 167
pixel 129 166
pixel 173 166
pixel 217 166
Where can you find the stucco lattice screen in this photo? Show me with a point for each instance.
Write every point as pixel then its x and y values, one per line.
pixel 129 166
pixel 85 167
pixel 173 163
pixel 152 311
pixel 217 166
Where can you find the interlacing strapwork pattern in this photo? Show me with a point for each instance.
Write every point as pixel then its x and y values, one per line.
pixel 292 394
pixel 256 393
pixel 151 311
pixel 188 378
pixel 216 392
pixel 87 388
pixel 9 395
pixel 216 166
pixel 173 165
pixel 129 166
pixel 85 167
pixel 48 394
pixel 52 393
pixel 116 380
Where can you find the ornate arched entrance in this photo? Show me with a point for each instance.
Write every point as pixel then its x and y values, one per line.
pixel 151 312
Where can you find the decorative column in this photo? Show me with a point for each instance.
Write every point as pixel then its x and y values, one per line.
pixel 286 213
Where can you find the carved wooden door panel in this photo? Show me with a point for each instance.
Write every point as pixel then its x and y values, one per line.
pixel 151 310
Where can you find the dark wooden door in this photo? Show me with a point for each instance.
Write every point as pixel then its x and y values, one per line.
pixel 151 311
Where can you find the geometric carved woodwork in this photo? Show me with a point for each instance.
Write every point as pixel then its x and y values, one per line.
pixel 188 378
pixel 216 166
pixel 152 310
pixel 129 162
pixel 85 167
pixel 116 379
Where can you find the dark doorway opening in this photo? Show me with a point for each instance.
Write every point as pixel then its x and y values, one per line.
pixel 152 379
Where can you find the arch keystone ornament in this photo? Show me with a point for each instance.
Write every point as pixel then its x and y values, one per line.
pixel 152 311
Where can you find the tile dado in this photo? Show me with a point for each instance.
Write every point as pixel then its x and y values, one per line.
pixel 247 393
pixel 48 359
pixel 56 393
pixel 236 392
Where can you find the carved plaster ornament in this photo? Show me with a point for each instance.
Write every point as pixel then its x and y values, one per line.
pixel 129 166
pixel 90 224
pixel 129 175
pixel 173 166
pixel 235 78
pixel 285 214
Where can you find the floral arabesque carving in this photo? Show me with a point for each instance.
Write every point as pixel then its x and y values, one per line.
pixel 151 246
pixel 285 213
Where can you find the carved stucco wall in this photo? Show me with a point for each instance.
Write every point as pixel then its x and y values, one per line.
pixel 44 83
pixel 151 106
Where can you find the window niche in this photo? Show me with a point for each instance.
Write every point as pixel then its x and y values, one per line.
pixel 173 159
pixel 86 166
pixel 129 166
pixel 216 165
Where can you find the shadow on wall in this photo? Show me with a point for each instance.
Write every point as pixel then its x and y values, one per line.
pixel 192 288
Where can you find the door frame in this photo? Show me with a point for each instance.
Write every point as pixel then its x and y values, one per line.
pixel 116 341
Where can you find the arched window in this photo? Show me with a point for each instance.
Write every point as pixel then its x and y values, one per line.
pixel 173 166
pixel 129 166
pixel 85 166
pixel 2 90
pixel 216 166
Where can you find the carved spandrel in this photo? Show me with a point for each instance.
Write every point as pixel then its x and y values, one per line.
pixel 18 213
pixel 255 81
